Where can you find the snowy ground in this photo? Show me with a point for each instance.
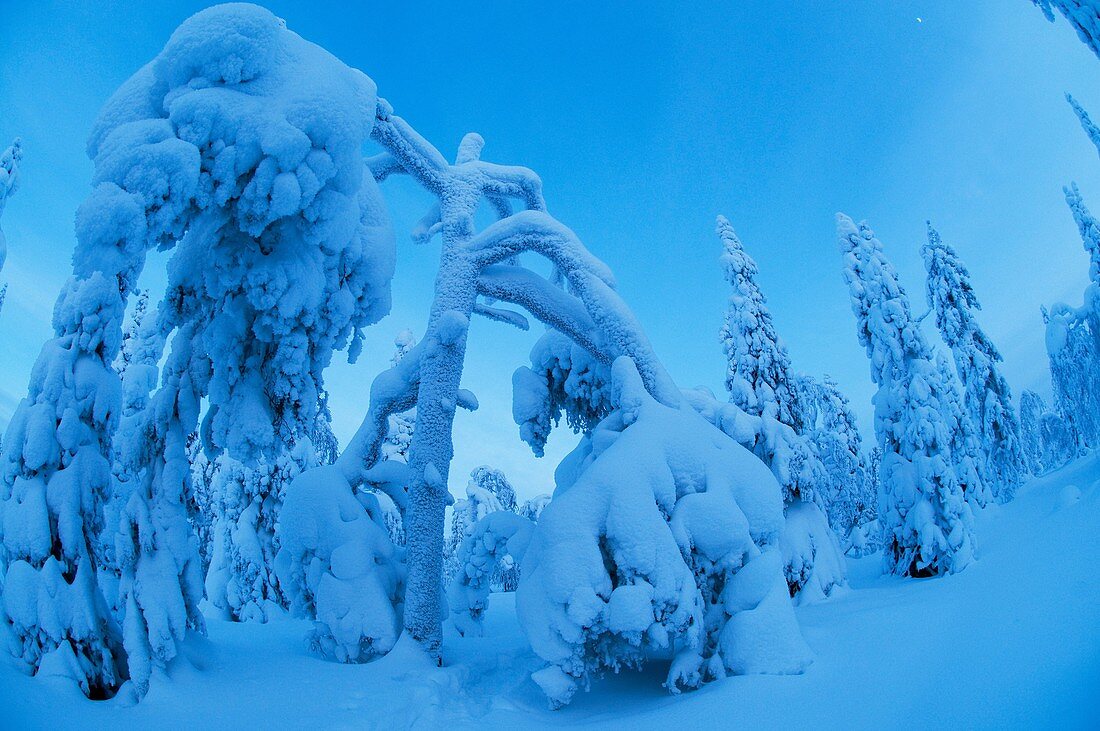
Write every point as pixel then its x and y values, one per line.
pixel 1013 641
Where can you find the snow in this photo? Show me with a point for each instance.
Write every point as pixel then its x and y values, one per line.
pixel 1026 623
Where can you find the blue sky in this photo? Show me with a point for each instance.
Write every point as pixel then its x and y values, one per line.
pixel 644 122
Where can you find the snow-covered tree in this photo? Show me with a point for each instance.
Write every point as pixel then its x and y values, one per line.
pixel 1059 441
pixel 532 509
pixel 660 538
pixel 1083 15
pixel 762 383
pixel 1073 372
pixel 1032 408
pixel 986 395
pixel 926 521
pixel 488 491
pixel 848 493
pixel 9 183
pixel 758 373
pixel 240 144
pixel 966 444
pixel 399 436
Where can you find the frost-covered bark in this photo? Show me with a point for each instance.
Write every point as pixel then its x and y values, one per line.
pixel 762 383
pixel 986 395
pixel 661 539
pixel 926 521
pixel 1082 15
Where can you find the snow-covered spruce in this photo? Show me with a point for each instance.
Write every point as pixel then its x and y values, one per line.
pixel 1071 349
pixel 1087 124
pixel 1082 15
pixel 762 383
pixel 532 508
pixel 494 545
pixel 926 522
pixel 847 490
pixel 270 173
pixel 1032 408
pixel 661 539
pixel 758 372
pixel 986 395
pixel 488 491
pixel 966 445
pixel 9 184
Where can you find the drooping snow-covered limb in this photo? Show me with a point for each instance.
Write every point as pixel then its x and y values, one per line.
pixel 591 280
pixel 1083 15
pixel 499 534
pixel 160 584
pixel 393 391
pixel 500 314
pixel 549 304
pixel 1087 124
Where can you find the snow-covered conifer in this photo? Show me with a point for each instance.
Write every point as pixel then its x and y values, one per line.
pixel 488 491
pixel 1059 441
pixel 927 524
pixel 9 184
pixel 762 383
pixel 532 509
pixel 254 164
pixel 758 375
pixel 660 539
pixel 966 444
pixel 1071 349
pixel 1032 408
pixel 848 493
pixel 986 396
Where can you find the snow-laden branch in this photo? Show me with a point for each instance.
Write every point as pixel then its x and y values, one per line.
pixel 500 314
pixel 548 303
pixel 383 165
pixel 393 391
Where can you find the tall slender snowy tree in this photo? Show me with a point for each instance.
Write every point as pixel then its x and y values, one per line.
pixel 1032 408
pixel 986 394
pixel 927 524
pixel 9 183
pixel 758 375
pixel 762 382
